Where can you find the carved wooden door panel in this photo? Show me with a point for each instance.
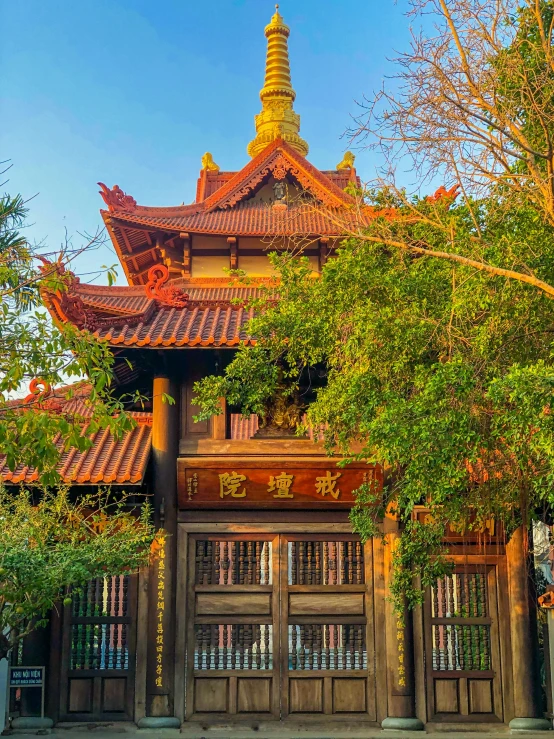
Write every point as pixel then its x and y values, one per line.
pixel 98 652
pixel 462 646
pixel 232 640
pixel 279 626
pixel 327 635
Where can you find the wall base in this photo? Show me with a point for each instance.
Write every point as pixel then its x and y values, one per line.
pixel 31 725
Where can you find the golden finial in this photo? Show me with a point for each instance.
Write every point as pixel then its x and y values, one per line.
pixel 277 95
pixel 208 163
pixel 347 161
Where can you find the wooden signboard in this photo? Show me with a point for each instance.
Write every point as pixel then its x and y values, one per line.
pixel 232 486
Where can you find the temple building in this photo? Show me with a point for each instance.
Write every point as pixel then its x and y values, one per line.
pixel 263 606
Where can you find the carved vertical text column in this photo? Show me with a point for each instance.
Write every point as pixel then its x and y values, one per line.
pixel 161 598
pixel 401 713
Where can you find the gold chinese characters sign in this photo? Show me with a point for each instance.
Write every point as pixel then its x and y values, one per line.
pixel 159 553
pixel 289 487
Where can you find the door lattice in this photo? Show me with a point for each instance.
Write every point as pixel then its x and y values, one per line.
pixel 279 626
pixel 98 649
pixel 462 645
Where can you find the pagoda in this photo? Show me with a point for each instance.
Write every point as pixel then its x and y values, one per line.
pixel 262 606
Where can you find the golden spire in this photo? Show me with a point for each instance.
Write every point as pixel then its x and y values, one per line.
pixel 277 118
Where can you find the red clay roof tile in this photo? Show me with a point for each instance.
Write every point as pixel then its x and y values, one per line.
pixel 249 219
pixel 211 325
pixel 106 461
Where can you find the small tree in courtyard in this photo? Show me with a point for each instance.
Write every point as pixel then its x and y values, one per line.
pixel 51 545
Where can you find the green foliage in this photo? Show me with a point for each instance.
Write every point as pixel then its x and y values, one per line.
pixel 440 373
pixel 434 322
pixel 418 562
pixel 50 543
pixel 32 347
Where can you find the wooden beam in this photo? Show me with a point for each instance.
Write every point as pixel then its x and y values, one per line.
pixel 219 423
pixel 144 271
pixel 138 253
pixel 126 240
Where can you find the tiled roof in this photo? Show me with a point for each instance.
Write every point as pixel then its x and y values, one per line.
pixel 246 218
pixel 227 204
pixel 210 325
pixel 106 461
pixel 133 300
pixel 209 318
pixel 116 300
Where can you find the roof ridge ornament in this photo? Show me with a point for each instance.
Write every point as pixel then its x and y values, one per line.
pixel 277 119
pixel 347 161
pixel 208 163
pixel 156 289
pixel 116 199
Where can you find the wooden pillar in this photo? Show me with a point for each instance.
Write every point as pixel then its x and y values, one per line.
pixel 401 709
pixel 187 267
pixel 233 252
pixel 161 582
pixel 528 716
pixel 323 252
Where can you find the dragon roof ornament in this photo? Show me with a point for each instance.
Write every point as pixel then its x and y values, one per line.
pixel 116 199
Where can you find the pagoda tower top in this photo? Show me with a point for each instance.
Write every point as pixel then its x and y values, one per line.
pixel 277 119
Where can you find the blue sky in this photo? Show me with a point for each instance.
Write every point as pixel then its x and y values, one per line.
pixel 133 92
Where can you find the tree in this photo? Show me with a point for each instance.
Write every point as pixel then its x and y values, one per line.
pixel 31 346
pixel 52 545
pixel 433 324
pixel 474 105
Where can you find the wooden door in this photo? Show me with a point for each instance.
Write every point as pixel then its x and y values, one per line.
pixel 98 652
pixel 462 647
pixel 279 626
pixel 327 635
pixel 233 636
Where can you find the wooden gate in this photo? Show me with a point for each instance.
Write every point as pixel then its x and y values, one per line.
pixel 463 646
pixel 98 652
pixel 280 625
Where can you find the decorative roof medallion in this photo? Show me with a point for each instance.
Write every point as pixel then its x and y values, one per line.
pixel 279 167
pixel 156 289
pixel 116 199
